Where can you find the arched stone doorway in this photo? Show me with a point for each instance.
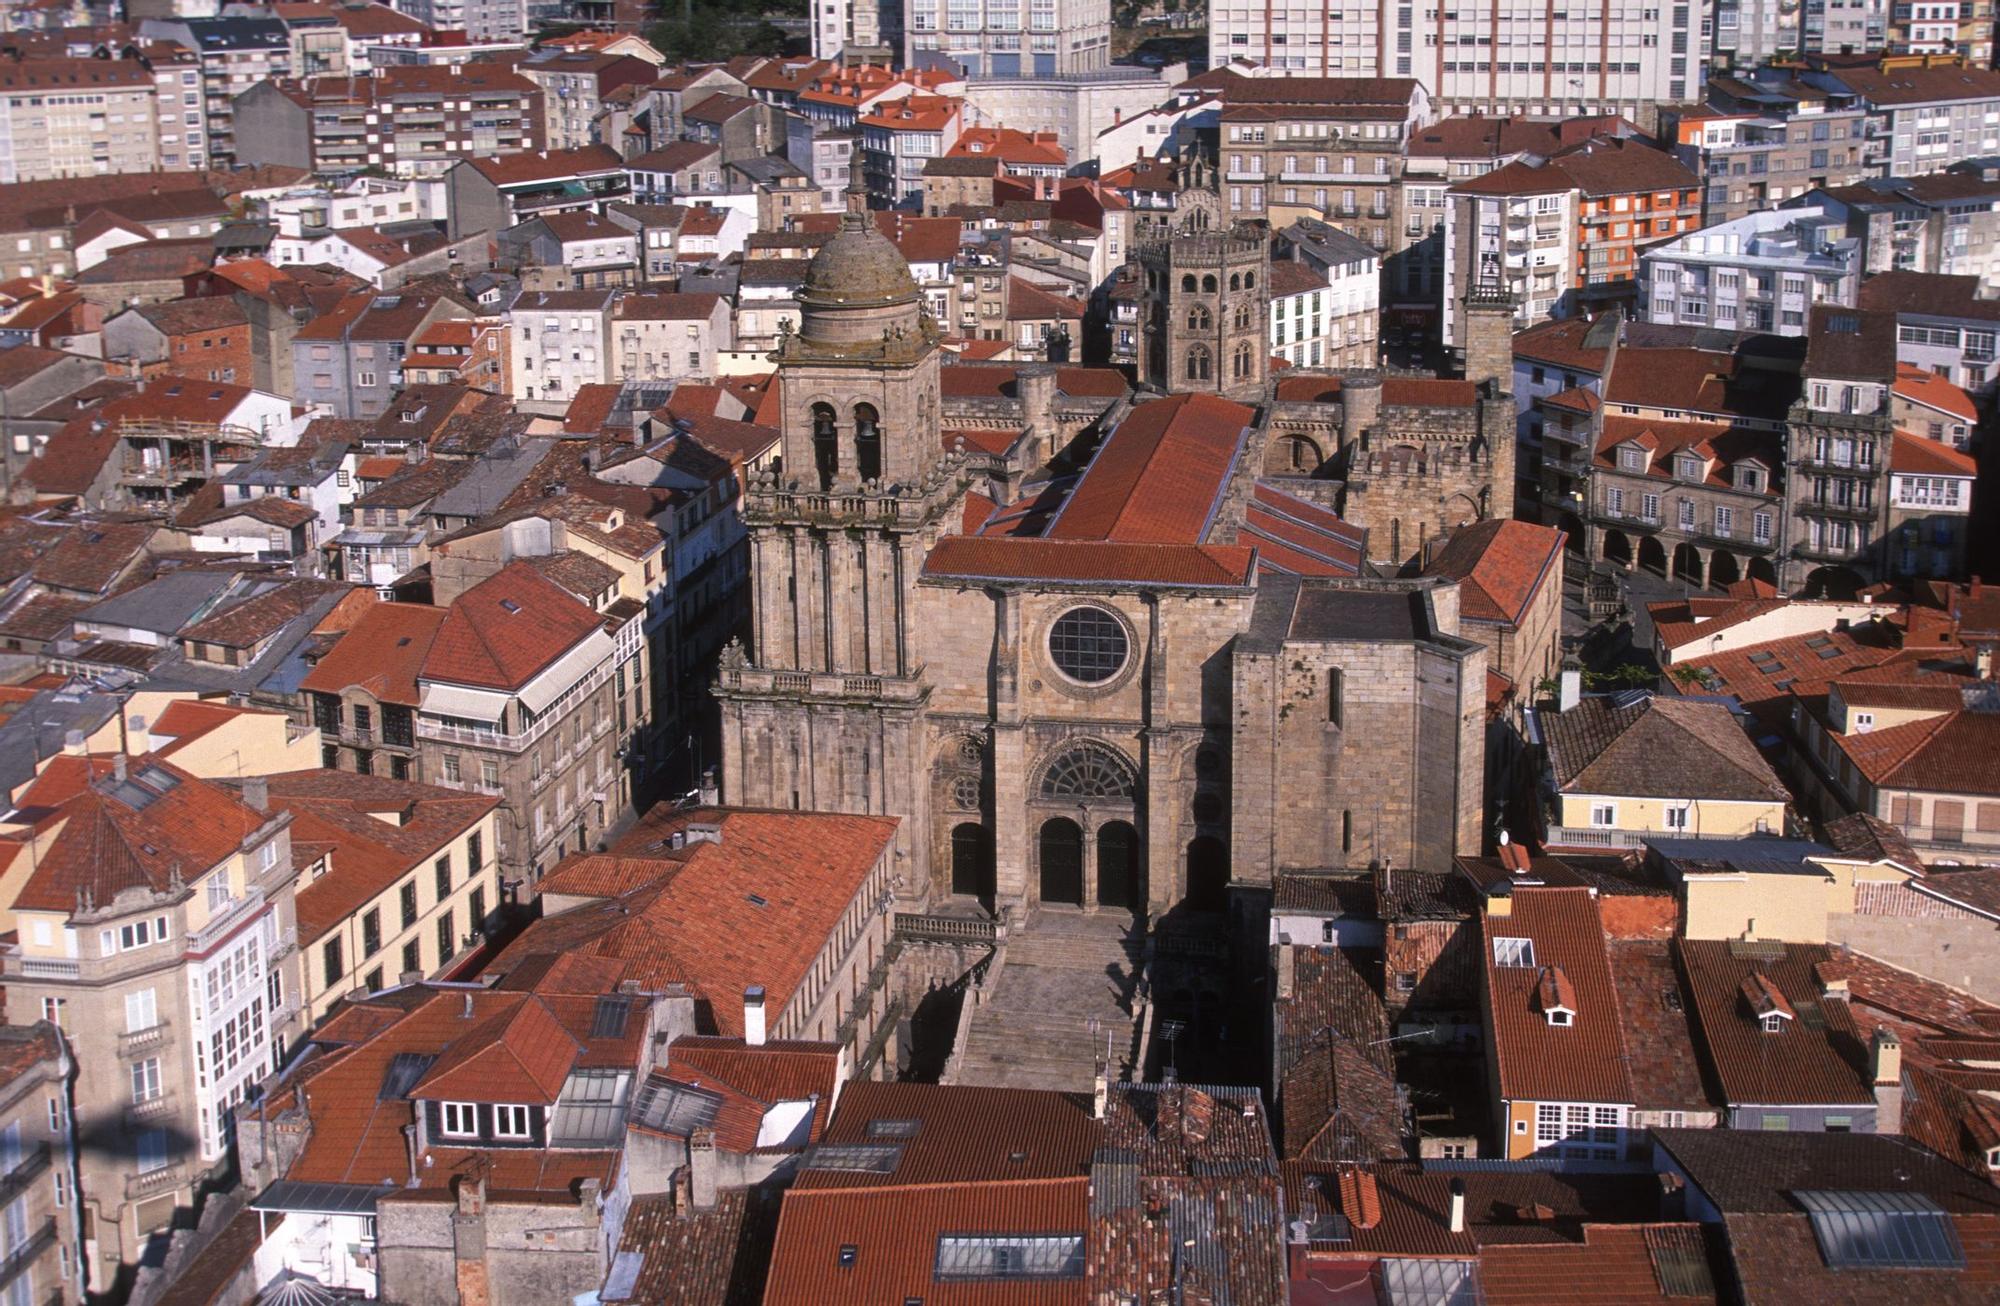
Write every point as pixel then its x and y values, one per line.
pixel 1207 874
pixel 1061 861
pixel 1652 555
pixel 1121 876
pixel 1618 549
pixel 972 861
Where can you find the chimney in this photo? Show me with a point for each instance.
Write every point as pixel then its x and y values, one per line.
pixel 413 1148
pixel 1458 1205
pixel 1570 683
pixel 468 1005
pixel 118 766
pixel 1887 1054
pixel 1100 1092
pixel 257 793
pixel 711 794
pixel 701 1169
pixel 1287 969
pixel 73 743
pixel 753 1015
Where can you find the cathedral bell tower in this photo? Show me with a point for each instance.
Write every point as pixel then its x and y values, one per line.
pixel 822 711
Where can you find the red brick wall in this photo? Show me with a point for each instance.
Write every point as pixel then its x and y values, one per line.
pixel 219 355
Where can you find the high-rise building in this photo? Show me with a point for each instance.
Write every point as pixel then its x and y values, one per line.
pixel 1006 38
pixel 1626 57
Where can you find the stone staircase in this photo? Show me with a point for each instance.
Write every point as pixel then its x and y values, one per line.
pixel 1067 982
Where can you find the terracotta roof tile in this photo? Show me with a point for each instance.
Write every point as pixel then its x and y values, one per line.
pixel 1811 1059
pixel 1159 477
pixel 1583 1061
pixel 383 653
pixel 1695 748
pixel 1089 562
pixel 505 630
pixel 1501 566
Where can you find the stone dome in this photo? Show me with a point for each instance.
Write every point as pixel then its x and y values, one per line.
pixel 858 268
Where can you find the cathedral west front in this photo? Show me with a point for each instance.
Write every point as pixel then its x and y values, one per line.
pixel 1102 651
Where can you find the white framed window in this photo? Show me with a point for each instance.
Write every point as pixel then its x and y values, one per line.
pixel 1677 816
pixel 510 1122
pixel 461 1120
pixel 1513 952
pixel 1773 1023
pixel 151 1150
pixel 1863 722
pixel 267 856
pixel 141 1011
pixel 1559 1016
pixel 146 1079
pixel 1604 815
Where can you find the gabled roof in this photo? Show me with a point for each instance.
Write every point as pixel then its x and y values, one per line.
pixel 505 630
pixel 1657 747
pixel 1816 1055
pixel 1500 565
pixel 1159 476
pixel 1912 455
pixel 1584 1060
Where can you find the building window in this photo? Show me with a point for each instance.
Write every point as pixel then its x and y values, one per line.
pixel 371 932
pixel 1677 818
pixel 461 1120
pixel 413 957
pixel 510 1122
pixel 409 903
pixel 447 940
pixel 146 1079
pixel 474 854
pixel 442 869
pixel 330 962
pixel 1513 952
pixel 1088 645
pixel 1604 815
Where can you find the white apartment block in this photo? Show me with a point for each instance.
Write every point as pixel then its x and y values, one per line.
pixel 480 20
pixel 838 25
pixel 1625 57
pixel 1524 243
pixel 561 344
pixel 77 118
pixel 1760 273
pixel 1010 38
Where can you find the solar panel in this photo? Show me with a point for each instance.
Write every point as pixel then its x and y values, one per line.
pixel 609 1019
pixel 1882 1231
pixel 405 1069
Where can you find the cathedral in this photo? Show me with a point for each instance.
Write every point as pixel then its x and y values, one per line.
pixel 1112 651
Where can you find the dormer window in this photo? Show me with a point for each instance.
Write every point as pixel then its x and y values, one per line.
pixel 1773 1023
pixel 1993 1158
pixel 510 1122
pixel 460 1120
pixel 1631 460
pixel 1688 468
pixel 1558 1016
pixel 1750 479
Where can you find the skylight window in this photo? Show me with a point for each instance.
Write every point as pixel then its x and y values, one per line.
pixel 1882 1231
pixel 1513 952
pixel 1010 1256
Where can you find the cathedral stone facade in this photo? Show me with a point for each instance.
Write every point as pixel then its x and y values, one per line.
pixel 1086 646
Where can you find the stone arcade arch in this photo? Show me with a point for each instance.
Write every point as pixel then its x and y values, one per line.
pixel 1652 555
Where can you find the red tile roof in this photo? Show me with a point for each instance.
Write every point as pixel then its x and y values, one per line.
pixel 505 630
pixel 1614 1265
pixel 1804 1063
pixel 1583 1061
pixel 1501 565
pixel 1159 476
pixel 698 923
pixel 1933 391
pixel 382 653
pixel 549 165
pixel 1915 456
pixel 1089 562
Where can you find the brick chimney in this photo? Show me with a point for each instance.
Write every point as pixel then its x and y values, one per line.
pixel 1886 1058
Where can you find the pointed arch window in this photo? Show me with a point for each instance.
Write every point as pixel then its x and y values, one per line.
pixel 1198 365
pixel 867 443
pixel 1198 318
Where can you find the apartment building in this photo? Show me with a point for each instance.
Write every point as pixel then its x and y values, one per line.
pixel 1942 222
pixel 72 117
pixel 838 25
pixel 1563 236
pixel 1838 446
pixel 1930 507
pixel 1052 38
pixel 153 931
pixel 1960 27
pixel 1925 112
pixel 575 88
pixel 1760 273
pixel 1749 32
pixel 1764 138
pixel 482 21
pixel 561 343
pixel 1327 318
pixel 1320 147
pixel 397 880
pixel 235 54
pixel 1943 325
pixel 350 358
pixel 1627 57
pixel 410 120
pixel 494 192
pixel 899 137
pixel 42 1243
pixel 521 688
pixel 571 251
pixel 662 337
